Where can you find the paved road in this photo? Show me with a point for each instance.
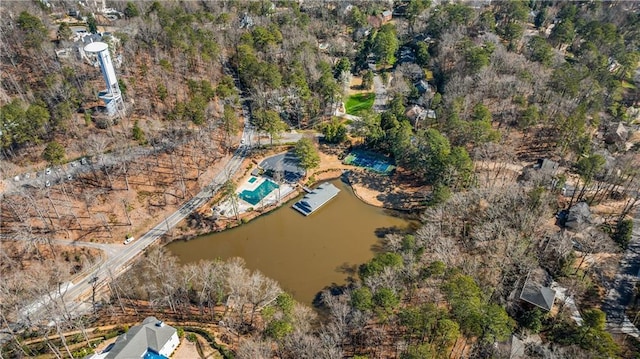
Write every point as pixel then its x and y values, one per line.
pixel 118 257
pixel 621 292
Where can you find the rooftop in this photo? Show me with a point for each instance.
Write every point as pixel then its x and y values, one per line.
pixel 537 294
pixel 316 198
pixel 286 166
pixel 545 164
pixel 152 335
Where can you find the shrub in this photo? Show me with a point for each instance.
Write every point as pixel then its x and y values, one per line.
pixel 532 320
pixel 54 153
pixel 192 337
pixel 82 352
pixel 622 233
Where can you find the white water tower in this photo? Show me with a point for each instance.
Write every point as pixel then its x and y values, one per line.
pixel 112 96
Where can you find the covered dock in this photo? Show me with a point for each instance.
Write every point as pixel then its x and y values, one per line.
pixel 317 198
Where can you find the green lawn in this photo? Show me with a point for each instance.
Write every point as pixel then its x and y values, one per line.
pixel 359 102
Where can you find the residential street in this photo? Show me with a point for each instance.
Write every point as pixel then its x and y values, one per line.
pixel 619 296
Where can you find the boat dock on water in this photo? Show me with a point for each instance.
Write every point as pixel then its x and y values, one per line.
pixel 316 198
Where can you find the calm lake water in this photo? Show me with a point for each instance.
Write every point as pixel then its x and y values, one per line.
pixel 304 254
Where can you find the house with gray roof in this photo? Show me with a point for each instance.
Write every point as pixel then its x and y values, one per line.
pixel 533 292
pixel 153 339
pixel 547 165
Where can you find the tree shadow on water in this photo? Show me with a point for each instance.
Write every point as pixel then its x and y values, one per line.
pixel 348 269
pixel 332 290
pixel 383 231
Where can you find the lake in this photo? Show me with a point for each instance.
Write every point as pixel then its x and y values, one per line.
pixel 304 254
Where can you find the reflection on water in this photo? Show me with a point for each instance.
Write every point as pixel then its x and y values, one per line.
pixel 304 254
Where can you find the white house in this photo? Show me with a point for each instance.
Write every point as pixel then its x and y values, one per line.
pixel 152 338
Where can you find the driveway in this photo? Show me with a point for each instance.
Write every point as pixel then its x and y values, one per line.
pixel 282 138
pixel 380 103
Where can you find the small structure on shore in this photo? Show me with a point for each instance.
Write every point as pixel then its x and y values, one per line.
pixel 317 198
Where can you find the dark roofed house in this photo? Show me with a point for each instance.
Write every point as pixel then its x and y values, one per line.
pixel 151 339
pixel 361 32
pixel 547 165
pixel 422 86
pixel 400 9
pixel 578 217
pixel 616 134
pixel 533 292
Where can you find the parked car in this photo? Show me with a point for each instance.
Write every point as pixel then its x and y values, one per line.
pixel 129 240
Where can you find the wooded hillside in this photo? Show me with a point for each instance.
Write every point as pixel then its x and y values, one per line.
pixel 463 94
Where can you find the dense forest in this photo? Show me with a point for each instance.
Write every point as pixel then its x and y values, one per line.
pixel 506 81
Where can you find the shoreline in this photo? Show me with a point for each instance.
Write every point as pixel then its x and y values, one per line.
pixel 372 189
pixel 246 217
